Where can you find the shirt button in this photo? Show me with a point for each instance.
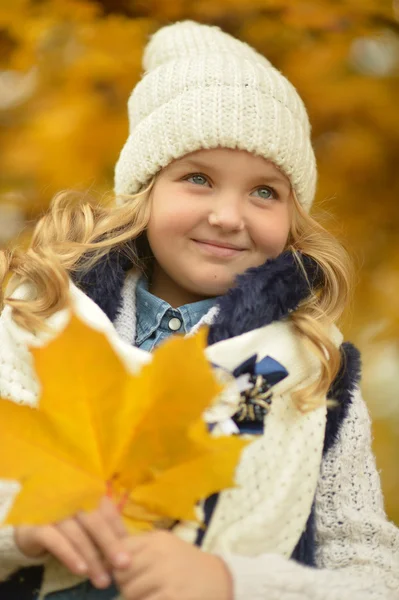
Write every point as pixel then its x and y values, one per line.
pixel 174 324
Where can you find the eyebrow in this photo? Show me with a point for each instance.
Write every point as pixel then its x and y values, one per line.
pixel 198 164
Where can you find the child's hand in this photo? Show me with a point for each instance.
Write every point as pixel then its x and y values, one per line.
pixel 84 544
pixel 163 566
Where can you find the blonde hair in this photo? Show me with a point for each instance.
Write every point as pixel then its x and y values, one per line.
pixel 325 305
pixel 76 232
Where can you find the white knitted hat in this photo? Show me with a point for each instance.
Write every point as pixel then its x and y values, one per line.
pixel 203 88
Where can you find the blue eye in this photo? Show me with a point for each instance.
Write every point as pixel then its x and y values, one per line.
pixel 197 179
pixel 266 193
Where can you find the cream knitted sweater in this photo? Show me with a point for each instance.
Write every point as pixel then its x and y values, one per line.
pixel 357 548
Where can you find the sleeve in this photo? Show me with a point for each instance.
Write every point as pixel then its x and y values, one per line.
pixel 357 547
pixel 11 558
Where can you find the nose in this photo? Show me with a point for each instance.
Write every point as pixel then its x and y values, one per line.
pixel 226 213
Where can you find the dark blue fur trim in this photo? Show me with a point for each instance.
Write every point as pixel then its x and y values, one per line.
pixel 261 295
pixel 103 283
pixel 209 507
pixel 305 550
pixel 341 390
pixel 264 294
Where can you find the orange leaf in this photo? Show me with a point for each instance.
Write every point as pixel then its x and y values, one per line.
pixel 98 429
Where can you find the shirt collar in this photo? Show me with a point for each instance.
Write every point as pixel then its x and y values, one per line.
pixel 150 311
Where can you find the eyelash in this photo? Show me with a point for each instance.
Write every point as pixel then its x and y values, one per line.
pixel 263 187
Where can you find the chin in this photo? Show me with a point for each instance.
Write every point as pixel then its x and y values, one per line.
pixel 211 288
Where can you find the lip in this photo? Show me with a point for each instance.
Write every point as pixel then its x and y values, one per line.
pixel 214 248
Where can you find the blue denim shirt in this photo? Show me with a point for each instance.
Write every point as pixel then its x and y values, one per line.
pixel 157 320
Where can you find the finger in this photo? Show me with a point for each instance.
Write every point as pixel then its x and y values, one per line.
pixel 113 517
pixel 105 538
pixel 83 545
pixel 141 564
pixel 55 542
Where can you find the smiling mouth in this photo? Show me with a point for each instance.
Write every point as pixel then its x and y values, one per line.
pixel 217 249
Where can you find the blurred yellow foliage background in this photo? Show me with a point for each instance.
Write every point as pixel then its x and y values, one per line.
pixel 67 68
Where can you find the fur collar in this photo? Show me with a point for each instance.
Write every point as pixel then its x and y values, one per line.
pixel 260 296
pixel 264 294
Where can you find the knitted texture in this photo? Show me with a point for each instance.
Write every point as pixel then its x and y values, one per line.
pixel 358 549
pixel 203 89
pixel 341 390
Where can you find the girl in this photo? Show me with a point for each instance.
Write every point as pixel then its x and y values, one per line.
pixel 213 188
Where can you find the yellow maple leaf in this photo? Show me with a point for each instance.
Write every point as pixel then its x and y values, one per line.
pixel 99 429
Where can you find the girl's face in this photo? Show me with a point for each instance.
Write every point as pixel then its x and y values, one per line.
pixel 214 214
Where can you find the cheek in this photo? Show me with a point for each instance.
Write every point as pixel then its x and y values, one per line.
pixel 161 222
pixel 170 223
pixel 270 235
pixel 173 214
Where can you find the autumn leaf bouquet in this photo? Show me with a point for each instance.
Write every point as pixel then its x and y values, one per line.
pixel 100 430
